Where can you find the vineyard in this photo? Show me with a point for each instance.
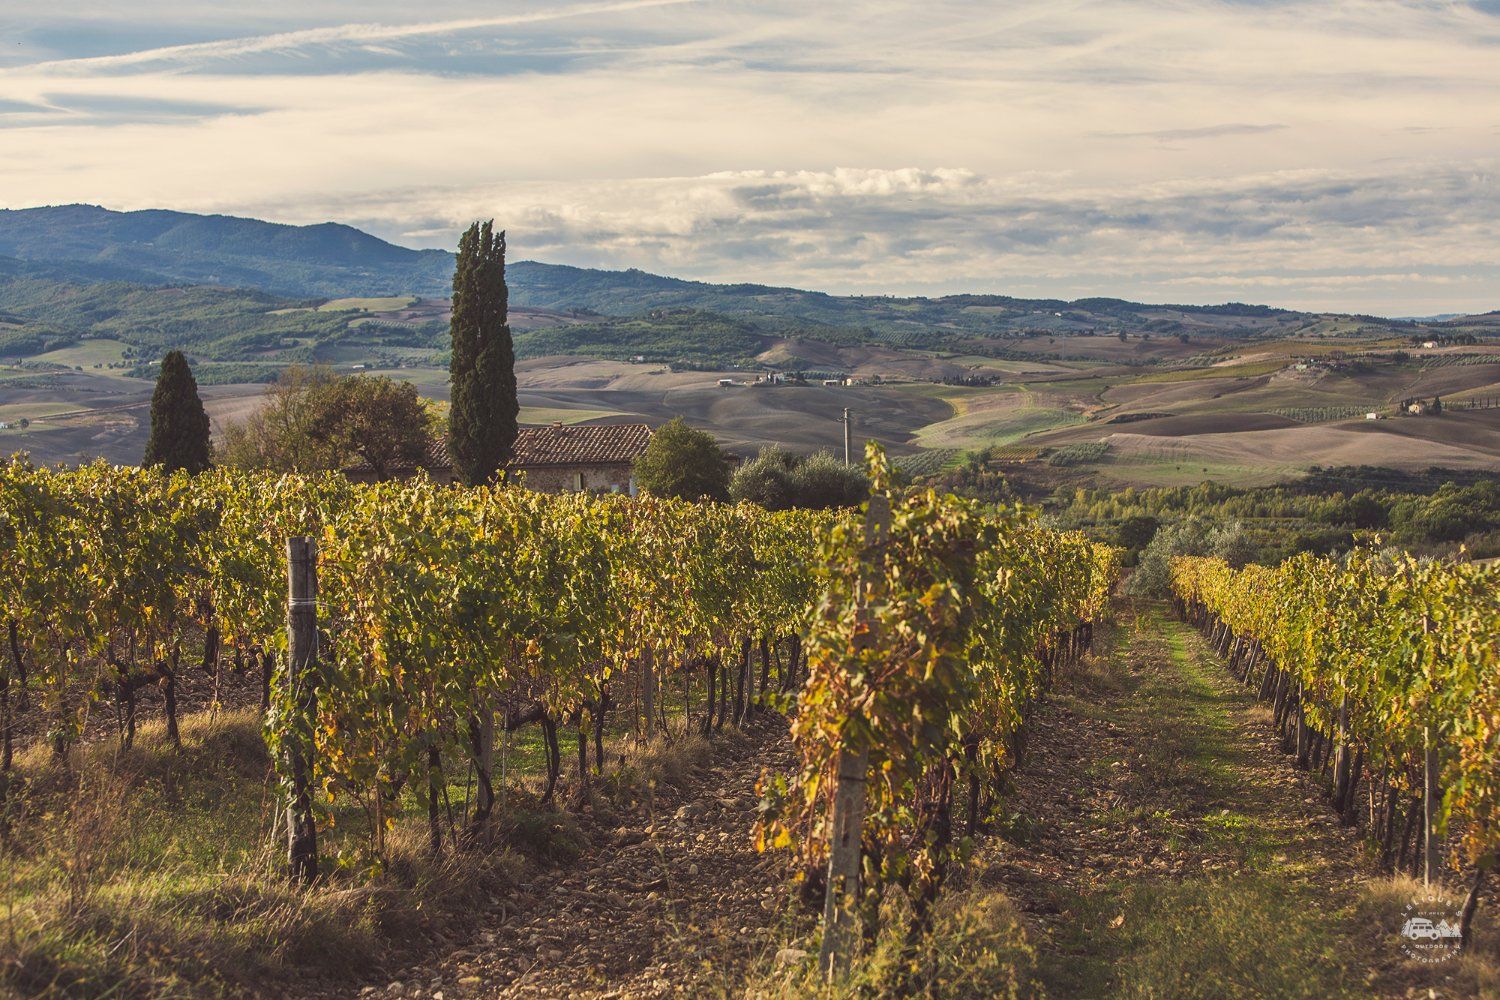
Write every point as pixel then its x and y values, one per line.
pixel 1321 414
pixel 434 685
pixel 1456 360
pixel 1379 668
pixel 1078 454
pixel 405 634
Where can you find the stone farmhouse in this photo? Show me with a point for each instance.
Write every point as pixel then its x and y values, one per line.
pixel 561 458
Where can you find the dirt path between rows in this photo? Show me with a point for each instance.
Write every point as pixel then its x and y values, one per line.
pixel 1162 847
pixel 672 901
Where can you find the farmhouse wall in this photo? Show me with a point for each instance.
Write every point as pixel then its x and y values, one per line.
pixel 594 478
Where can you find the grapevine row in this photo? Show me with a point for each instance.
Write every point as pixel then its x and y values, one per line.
pixel 1377 665
pixel 940 623
pixel 444 614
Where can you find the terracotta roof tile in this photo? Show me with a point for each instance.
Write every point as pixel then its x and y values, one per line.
pixel 558 445
pixel 579 444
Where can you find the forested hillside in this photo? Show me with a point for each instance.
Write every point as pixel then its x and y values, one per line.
pixel 162 247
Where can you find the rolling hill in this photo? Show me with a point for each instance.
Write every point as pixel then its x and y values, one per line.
pixel 1088 391
pixel 89 244
pixel 163 247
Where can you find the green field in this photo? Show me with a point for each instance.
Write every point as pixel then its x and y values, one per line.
pixel 1007 365
pixel 1142 472
pixel 554 414
pixel 389 303
pixel 86 354
pixel 1248 369
pixel 978 423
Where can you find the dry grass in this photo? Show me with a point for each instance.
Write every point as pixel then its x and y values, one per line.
pixel 159 873
pixel 1097 672
pixel 976 947
pixel 1474 973
pixel 1240 937
pixel 641 769
pixel 663 762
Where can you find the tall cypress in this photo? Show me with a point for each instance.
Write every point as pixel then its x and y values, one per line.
pixel 179 424
pixel 482 417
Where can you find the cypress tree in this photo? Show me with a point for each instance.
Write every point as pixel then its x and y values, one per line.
pixel 179 424
pixel 482 418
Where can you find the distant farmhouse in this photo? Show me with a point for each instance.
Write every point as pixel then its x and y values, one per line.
pixel 596 458
pixel 1421 407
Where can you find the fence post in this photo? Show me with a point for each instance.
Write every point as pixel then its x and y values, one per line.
pixel 302 657
pixel 840 902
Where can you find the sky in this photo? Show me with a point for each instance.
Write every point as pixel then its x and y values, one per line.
pixel 1332 154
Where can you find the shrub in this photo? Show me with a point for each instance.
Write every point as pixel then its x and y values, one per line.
pixel 779 480
pixel 684 463
pixel 1191 537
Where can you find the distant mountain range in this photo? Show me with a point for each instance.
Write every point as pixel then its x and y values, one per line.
pixel 162 247
pixel 48 255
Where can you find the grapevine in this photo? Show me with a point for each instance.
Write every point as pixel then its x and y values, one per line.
pixel 925 674
pixel 1379 664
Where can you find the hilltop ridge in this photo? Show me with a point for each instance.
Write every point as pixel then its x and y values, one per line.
pixel 89 243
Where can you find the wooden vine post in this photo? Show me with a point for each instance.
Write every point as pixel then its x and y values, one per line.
pixel 1431 857
pixel 302 656
pixel 1341 756
pixel 648 684
pixel 841 902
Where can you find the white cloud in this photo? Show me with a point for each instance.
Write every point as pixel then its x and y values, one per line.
pixel 1130 147
pixel 1305 238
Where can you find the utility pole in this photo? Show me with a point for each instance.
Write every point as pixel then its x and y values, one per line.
pixel 846 435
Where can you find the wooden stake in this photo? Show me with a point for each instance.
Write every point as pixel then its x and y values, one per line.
pixel 1430 804
pixel 1430 796
pixel 302 657
pixel 648 685
pixel 842 898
